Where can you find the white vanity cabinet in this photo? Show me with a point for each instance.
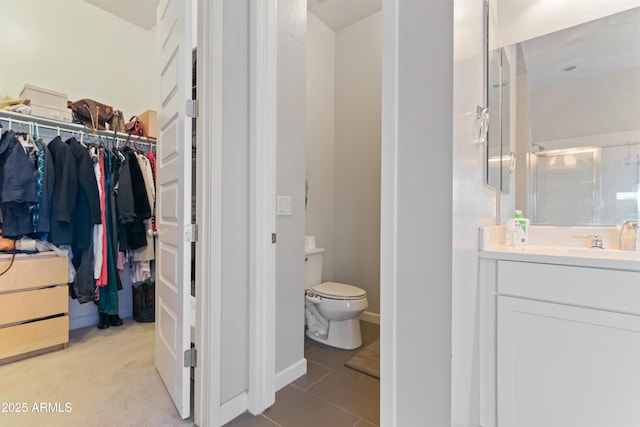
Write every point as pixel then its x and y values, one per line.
pixel 567 346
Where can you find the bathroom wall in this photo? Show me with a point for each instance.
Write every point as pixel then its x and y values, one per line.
pixel 343 150
pixel 234 343
pixel 357 156
pixel 431 205
pixel 290 361
pixel 320 137
pixel 594 105
pixel 526 19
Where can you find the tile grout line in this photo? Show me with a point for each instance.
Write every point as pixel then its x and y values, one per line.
pixel 273 421
pixel 337 406
pixel 315 382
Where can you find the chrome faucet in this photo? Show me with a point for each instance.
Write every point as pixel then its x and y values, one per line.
pixel 596 242
pixel 628 236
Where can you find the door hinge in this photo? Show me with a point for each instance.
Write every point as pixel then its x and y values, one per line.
pixel 190 358
pixel 192 108
pixel 191 233
pixel 273 237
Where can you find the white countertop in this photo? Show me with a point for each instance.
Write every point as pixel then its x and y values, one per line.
pixel 564 255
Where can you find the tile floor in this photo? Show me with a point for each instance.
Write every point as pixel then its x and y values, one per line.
pixel 329 395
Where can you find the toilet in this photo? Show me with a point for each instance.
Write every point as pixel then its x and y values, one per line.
pixel 332 309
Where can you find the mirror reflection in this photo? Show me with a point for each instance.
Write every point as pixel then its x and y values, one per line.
pixel 499 155
pixel 575 120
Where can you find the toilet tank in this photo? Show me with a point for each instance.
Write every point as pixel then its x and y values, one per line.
pixel 313 266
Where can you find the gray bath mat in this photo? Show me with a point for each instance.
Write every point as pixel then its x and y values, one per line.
pixel 368 360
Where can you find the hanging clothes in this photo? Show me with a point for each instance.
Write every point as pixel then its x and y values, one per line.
pixel 88 214
pixel 45 182
pixel 104 274
pixel 133 204
pixel 65 192
pixel 141 268
pixel 87 206
pixel 98 229
pixel 18 192
pixel 108 303
pixel 112 166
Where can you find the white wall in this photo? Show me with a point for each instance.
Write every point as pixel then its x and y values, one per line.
pixel 474 205
pixel 343 150
pixel 235 201
pixel 602 104
pixel 419 189
pixel 76 48
pixel 320 137
pixel 290 182
pixel 525 19
pixel 358 88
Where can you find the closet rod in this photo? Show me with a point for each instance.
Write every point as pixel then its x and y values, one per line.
pixel 73 128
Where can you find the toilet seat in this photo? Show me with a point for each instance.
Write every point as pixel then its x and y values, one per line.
pixel 338 291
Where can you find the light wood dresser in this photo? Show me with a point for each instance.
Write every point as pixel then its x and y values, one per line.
pixel 34 305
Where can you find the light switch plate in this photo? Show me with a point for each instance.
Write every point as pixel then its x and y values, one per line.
pixel 284 205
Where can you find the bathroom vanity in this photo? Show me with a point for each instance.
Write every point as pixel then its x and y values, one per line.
pixel 559 332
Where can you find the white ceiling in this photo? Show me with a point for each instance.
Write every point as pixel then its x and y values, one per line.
pixel 335 13
pixel 608 44
pixel 138 12
pixel 340 13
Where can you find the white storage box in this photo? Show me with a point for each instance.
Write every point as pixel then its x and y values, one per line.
pixel 44 97
pixel 63 115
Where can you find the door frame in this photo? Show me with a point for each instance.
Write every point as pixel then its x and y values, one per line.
pixel 262 279
pixel 262 152
pixel 208 336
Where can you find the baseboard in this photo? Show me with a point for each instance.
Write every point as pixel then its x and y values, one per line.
pixel 233 408
pixel 370 317
pixel 77 322
pixel 290 374
pixel 84 315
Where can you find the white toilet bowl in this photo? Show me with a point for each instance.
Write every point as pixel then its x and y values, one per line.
pixel 339 307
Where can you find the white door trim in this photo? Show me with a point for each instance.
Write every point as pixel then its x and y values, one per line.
pixel 262 275
pixel 388 212
pixel 209 214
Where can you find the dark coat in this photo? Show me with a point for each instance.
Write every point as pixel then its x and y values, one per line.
pixel 87 207
pixel 18 190
pixel 65 192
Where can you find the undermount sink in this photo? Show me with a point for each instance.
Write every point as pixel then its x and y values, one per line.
pixel 605 253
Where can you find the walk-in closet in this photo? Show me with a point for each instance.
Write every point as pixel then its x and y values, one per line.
pixel 52 293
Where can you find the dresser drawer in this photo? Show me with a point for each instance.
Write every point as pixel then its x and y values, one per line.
pixel 33 304
pixel 32 336
pixel 33 271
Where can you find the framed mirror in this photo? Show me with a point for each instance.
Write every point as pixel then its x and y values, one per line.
pixel 574 110
pixel 499 153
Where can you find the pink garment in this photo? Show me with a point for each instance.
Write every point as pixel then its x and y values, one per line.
pixel 98 232
pixel 121 261
pixel 104 276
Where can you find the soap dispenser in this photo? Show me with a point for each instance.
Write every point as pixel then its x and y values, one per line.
pixel 517 230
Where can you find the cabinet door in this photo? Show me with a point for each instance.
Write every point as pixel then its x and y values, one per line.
pixel 566 366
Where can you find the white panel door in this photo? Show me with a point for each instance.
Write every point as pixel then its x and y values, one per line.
pixel 173 212
pixel 566 366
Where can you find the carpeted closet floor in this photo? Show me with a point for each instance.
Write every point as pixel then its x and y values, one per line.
pixel 103 378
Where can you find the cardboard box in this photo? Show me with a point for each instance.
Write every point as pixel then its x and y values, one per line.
pixel 62 115
pixel 149 125
pixel 44 97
